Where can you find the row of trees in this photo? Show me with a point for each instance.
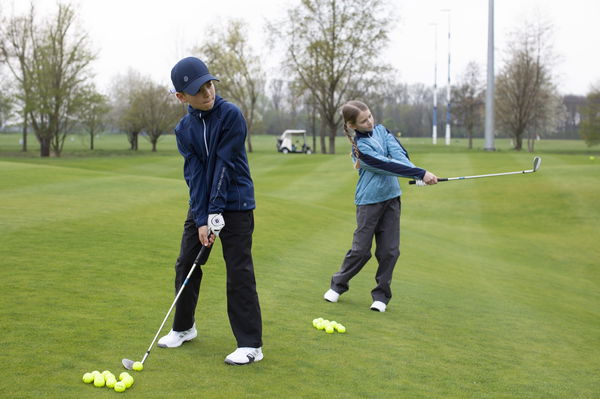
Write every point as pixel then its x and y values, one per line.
pixel 326 62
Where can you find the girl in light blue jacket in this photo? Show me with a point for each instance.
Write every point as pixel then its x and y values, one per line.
pixel 380 159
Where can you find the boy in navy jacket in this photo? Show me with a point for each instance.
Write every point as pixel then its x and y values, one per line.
pixel 211 138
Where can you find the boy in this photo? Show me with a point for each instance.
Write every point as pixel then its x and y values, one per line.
pixel 211 139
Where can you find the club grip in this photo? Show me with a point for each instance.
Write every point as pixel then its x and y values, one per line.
pixel 412 182
pixel 202 256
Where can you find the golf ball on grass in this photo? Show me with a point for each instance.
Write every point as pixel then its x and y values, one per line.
pixel 111 381
pixel 88 378
pixel 120 386
pixel 138 366
pixel 592 157
pixel 99 380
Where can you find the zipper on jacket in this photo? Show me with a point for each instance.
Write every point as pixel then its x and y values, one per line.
pixel 204 124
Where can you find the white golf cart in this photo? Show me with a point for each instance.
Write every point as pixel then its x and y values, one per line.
pixel 293 141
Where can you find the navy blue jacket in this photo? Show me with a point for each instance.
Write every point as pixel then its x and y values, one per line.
pixel 216 166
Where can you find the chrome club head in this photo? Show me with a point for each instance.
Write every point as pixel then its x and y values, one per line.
pixel 128 364
pixel 537 161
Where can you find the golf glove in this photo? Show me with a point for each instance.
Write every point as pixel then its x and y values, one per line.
pixel 420 183
pixel 215 223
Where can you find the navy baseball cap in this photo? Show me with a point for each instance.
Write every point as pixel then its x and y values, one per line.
pixel 189 74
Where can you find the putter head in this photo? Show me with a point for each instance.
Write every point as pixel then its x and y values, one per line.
pixel 128 364
pixel 537 161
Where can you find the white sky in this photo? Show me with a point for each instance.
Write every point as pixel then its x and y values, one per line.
pixel 150 36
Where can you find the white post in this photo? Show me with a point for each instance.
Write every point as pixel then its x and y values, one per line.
pixel 489 95
pixel 448 104
pixel 434 124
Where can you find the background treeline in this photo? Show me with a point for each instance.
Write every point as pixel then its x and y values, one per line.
pixel 48 88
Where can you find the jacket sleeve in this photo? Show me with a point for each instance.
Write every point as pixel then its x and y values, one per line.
pixel 195 177
pixel 375 162
pixel 230 145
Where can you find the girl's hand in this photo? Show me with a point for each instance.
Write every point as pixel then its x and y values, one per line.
pixel 430 178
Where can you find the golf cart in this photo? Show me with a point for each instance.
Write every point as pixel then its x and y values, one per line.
pixel 293 141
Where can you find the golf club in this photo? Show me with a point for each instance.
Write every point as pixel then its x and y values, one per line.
pixel 128 363
pixel 536 165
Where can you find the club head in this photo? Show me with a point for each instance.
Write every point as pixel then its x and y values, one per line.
pixel 537 161
pixel 128 364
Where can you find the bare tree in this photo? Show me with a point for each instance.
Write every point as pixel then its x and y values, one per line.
pixel 332 49
pixel 123 92
pixel 230 57
pixel 16 53
pixel 525 89
pixel 92 116
pixel 157 111
pixel 50 60
pixel 468 100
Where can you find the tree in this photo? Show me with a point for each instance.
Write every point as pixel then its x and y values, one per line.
pixel 124 116
pixel 157 111
pixel 525 90
pixel 468 100
pixel 51 62
pixel 16 54
pixel 590 124
pixel 94 112
pixel 332 49
pixel 230 57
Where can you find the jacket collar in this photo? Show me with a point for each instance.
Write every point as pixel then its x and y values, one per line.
pixel 363 134
pixel 204 114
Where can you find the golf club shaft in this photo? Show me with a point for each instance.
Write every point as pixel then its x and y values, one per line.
pixel 174 302
pixel 488 175
pixel 478 176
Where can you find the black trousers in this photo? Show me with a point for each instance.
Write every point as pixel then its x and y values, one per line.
pixel 243 307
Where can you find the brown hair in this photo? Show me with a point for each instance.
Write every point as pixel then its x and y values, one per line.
pixel 350 112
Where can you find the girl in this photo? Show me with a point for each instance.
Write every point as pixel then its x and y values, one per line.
pixel 380 158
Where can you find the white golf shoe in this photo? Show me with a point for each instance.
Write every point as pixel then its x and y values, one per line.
pixel 175 338
pixel 331 296
pixel 378 306
pixel 243 356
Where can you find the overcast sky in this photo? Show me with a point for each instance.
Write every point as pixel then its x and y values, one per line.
pixel 150 36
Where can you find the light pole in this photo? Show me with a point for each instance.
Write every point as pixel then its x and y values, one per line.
pixel 448 115
pixel 434 127
pixel 489 95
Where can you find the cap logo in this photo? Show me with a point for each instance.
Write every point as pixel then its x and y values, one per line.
pixel 185 78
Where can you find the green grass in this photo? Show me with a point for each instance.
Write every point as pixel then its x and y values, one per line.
pixel 496 293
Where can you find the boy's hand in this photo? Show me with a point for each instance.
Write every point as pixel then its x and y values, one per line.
pixel 206 238
pixel 215 223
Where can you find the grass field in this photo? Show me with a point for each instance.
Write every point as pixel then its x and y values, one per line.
pixel 496 293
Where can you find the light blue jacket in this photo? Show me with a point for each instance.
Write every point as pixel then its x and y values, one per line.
pixel 382 160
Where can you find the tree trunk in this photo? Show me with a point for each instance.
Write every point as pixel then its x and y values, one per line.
pixel 92 141
pixel 322 136
pixel 332 131
pixel 153 145
pixel 518 142
pixel 24 148
pixel 44 147
pixel 249 142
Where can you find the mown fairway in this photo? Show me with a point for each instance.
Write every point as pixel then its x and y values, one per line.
pixel 496 293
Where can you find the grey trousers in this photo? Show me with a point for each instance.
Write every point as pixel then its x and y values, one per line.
pixel 381 220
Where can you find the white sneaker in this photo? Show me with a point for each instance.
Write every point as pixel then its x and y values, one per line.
pixel 175 338
pixel 244 356
pixel 331 296
pixel 378 306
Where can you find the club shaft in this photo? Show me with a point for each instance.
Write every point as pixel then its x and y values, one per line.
pixel 488 175
pixel 174 302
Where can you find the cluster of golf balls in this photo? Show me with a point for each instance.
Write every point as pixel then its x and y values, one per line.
pixel 328 326
pixel 108 379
